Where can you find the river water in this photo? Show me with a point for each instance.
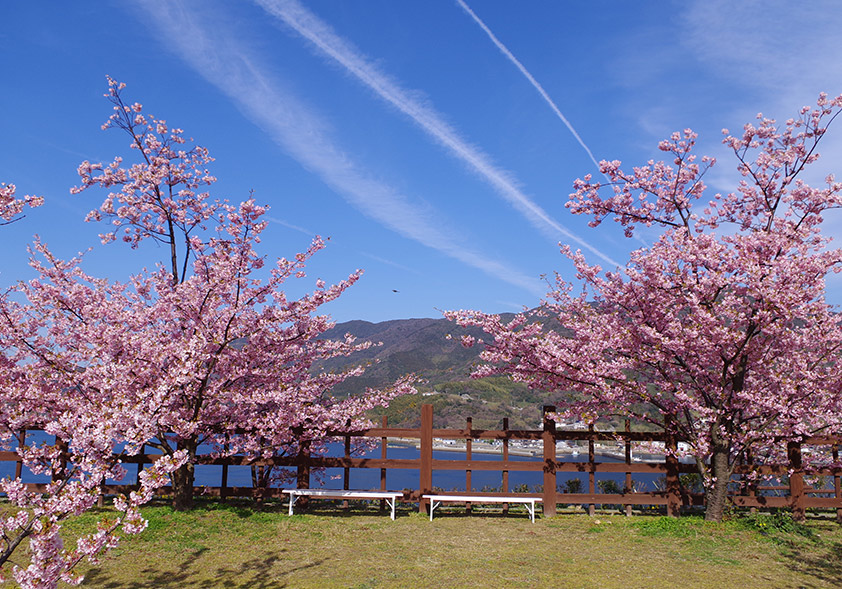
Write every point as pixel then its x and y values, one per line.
pixel 396 479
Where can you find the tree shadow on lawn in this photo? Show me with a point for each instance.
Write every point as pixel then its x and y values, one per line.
pixel 328 509
pixel 242 508
pixel 256 573
pixel 822 564
pixel 480 514
pixel 812 549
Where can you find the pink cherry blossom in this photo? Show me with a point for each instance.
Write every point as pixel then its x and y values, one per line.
pixel 11 207
pixel 205 348
pixel 722 336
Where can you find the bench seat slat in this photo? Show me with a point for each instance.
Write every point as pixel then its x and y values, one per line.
pixel 343 494
pixel 529 502
pixel 482 499
pixel 391 497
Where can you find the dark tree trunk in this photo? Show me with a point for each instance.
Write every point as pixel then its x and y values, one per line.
pixel 716 494
pixel 260 481
pixel 183 478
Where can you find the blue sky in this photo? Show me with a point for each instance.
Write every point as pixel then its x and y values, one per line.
pixel 401 130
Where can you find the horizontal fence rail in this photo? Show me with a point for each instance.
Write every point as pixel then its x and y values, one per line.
pixel 797 495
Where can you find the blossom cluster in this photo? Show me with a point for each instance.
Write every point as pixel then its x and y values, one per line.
pixel 11 207
pixel 718 332
pixel 205 348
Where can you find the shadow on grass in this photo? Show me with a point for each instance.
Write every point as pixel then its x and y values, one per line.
pixel 260 571
pixel 820 562
pixel 256 573
pixel 810 548
pixel 323 508
pixel 242 508
pixel 245 509
pixel 479 513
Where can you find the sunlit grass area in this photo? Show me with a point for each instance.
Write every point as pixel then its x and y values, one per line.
pixel 241 545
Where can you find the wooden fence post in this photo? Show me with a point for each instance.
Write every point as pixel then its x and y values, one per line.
pixel 469 425
pixel 139 468
pixel 548 438
pixel 425 485
pixel 796 480
pixel 673 482
pixel 61 473
pixel 591 469
pixel 628 487
pixel 303 474
pixel 19 461
pixel 384 443
pixel 750 482
pixel 224 487
pixel 346 472
pixel 303 478
pixel 506 459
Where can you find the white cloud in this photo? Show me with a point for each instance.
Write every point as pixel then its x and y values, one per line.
pixel 789 49
pixel 223 62
pixel 779 53
pixel 323 38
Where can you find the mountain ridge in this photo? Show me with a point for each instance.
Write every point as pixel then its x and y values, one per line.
pixel 422 346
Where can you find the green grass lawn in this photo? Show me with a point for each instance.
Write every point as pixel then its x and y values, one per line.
pixel 219 545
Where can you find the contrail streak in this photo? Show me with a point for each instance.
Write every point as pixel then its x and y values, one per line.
pixel 222 61
pixel 505 51
pixel 321 35
pixel 290 226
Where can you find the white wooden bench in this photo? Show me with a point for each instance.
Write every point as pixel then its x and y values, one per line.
pixel 391 497
pixel 528 502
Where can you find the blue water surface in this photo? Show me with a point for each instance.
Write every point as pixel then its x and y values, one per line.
pixel 369 478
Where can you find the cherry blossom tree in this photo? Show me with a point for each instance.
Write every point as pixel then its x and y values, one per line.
pixel 719 331
pixel 221 356
pixel 11 207
pixel 46 377
pixel 205 348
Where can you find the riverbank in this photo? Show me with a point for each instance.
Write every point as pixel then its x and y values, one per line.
pixel 517 449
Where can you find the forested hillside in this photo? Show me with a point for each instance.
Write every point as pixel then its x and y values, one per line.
pixel 422 346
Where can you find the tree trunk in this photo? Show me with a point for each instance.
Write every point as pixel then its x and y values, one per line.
pixel 183 478
pixel 716 493
pixel 260 481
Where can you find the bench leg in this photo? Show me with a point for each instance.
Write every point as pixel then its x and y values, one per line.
pixel 292 499
pixel 433 506
pixel 531 509
pixel 391 502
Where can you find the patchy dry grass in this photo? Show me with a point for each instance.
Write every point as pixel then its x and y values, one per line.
pixel 239 546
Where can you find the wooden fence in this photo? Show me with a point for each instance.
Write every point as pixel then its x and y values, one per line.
pixel 796 495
